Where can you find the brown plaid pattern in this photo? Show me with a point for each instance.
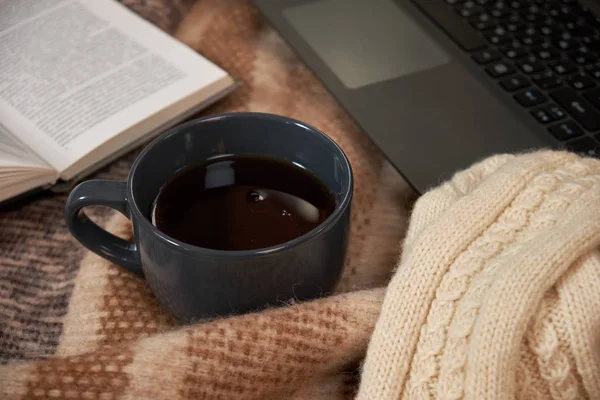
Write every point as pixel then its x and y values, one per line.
pixel 72 325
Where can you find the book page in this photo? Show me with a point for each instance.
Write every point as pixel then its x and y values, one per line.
pixel 22 182
pixel 75 73
pixel 13 151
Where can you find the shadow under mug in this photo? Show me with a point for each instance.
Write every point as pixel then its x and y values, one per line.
pixel 195 283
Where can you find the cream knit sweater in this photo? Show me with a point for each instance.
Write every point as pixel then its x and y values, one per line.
pixel 497 295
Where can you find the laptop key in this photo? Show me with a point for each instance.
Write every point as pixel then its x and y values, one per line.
pixel 483 17
pixel 547 80
pixel 565 130
pixel 558 34
pixel 585 147
pixel 532 14
pixel 541 115
pixel 565 44
pixel 531 40
pixel 561 13
pixel 514 54
pixel 518 4
pixel 500 14
pixel 469 4
pixel 564 35
pixel 578 107
pixel 497 39
pixel 499 4
pixel 514 83
pixel 515 27
pixel 545 52
pixel 593 96
pixel 531 18
pixel 593 71
pixel 580 29
pixel 514 50
pixel 563 67
pixel 482 25
pixel 530 98
pixel 462 34
pixel 592 44
pixel 500 69
pixel 486 56
pixel 468 12
pixel 499 30
pixel 530 65
pixel 580 81
pixel 580 10
pixel 548 114
pixel 513 18
pixel 548 30
pixel 556 112
pixel 582 56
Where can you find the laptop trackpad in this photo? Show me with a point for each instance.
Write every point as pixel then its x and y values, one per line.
pixel 365 41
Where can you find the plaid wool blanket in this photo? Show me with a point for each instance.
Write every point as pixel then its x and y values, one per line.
pixel 72 325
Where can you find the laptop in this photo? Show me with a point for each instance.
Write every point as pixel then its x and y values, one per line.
pixel 440 84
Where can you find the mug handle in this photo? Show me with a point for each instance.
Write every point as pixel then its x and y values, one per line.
pixel 102 193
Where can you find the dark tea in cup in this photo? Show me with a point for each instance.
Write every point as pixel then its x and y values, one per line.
pixel 230 213
pixel 241 202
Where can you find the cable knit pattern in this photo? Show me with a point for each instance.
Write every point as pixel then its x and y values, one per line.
pixel 526 216
pixel 453 289
pixel 481 306
pixel 530 384
pixel 553 363
pixel 579 300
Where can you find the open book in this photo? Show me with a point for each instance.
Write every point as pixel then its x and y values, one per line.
pixel 84 81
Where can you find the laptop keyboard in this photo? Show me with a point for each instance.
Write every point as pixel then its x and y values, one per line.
pixel 545 53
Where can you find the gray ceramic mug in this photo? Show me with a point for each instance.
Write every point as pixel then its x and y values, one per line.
pixel 194 283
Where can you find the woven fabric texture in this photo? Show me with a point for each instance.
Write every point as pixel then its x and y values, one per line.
pixel 492 291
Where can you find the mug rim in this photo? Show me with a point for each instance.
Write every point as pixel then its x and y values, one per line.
pixel 323 227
